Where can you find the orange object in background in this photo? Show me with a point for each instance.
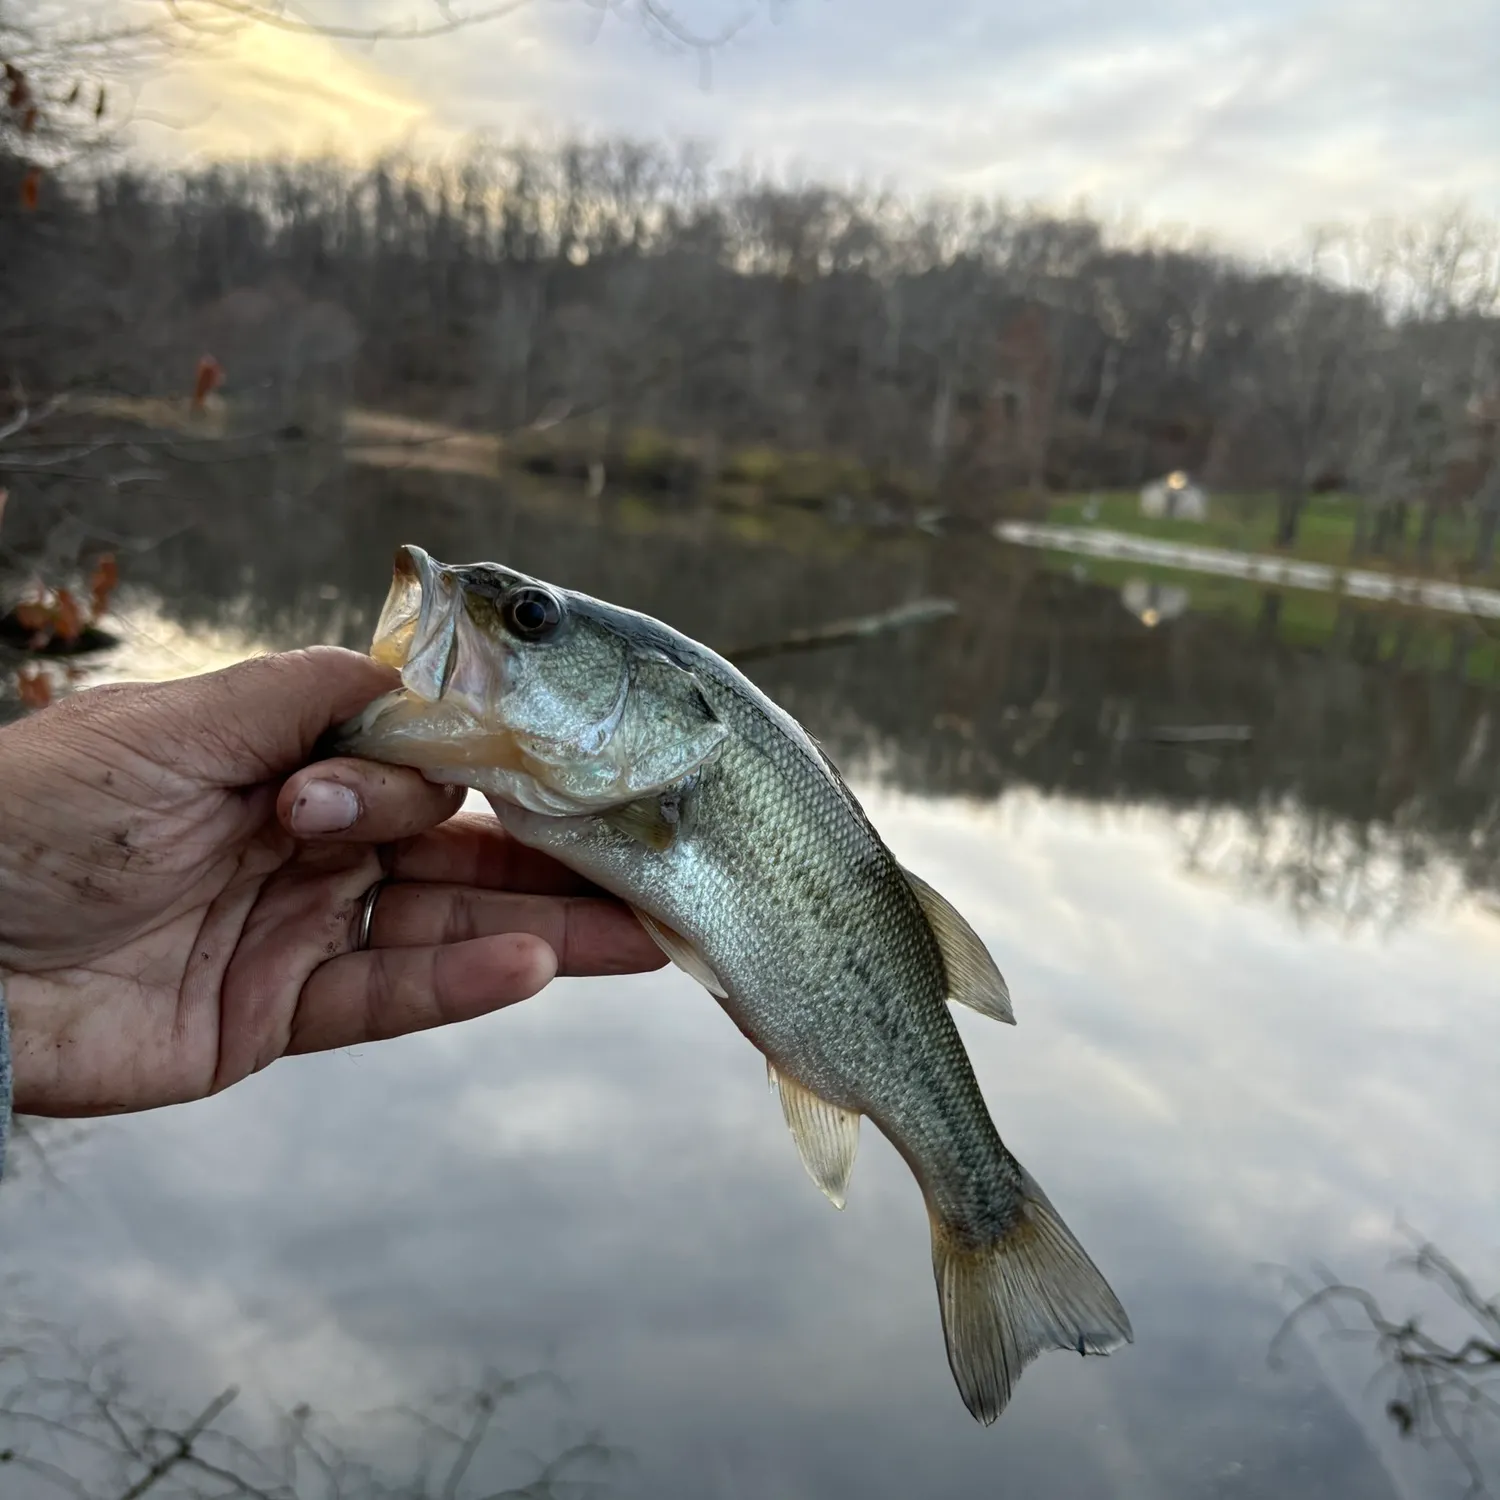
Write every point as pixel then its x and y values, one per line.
pixel 102 583
pixel 209 378
pixel 34 687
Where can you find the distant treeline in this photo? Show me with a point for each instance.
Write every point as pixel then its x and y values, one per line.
pixel 981 352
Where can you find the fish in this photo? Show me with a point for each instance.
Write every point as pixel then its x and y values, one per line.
pixel 650 765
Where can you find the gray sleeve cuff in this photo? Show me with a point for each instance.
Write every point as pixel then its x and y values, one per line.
pixel 4 1079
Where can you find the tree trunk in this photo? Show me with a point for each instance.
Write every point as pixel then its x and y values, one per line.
pixel 1268 624
pixel 1289 506
pixel 1399 512
pixel 1361 543
pixel 1462 643
pixel 1489 521
pixel 1427 536
pixel 942 419
pixel 1109 378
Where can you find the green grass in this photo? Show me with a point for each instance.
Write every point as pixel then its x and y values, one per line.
pixel 1247 523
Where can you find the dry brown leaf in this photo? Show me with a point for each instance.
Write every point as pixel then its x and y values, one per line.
pixel 33 614
pixel 67 617
pixel 102 584
pixel 34 687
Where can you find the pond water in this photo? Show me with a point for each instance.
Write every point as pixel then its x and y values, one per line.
pixel 1255 979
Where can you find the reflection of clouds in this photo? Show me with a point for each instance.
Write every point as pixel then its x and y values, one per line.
pixel 552 1116
pixel 599 1181
pixel 154 647
pixel 284 1344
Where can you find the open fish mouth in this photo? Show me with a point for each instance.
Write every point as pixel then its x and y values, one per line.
pixel 417 632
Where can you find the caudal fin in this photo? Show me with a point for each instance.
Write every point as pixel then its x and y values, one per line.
pixel 1005 1302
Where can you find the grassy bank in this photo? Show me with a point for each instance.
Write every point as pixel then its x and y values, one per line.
pixel 1247 523
pixel 648 461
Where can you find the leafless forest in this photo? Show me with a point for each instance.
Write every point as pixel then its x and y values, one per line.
pixel 974 353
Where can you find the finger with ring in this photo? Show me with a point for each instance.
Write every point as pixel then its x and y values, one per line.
pixel 367 916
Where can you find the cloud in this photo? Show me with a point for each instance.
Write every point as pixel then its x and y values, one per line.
pixel 599 1181
pixel 256 91
pixel 1246 120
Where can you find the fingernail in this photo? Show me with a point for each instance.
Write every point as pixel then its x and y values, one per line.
pixel 324 807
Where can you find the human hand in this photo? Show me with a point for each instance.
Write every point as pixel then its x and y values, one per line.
pixel 180 892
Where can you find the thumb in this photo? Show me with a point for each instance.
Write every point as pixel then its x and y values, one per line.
pixel 263 718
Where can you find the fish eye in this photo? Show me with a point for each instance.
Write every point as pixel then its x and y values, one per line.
pixel 532 613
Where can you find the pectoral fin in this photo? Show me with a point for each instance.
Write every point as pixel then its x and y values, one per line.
pixel 827 1136
pixel 659 820
pixel 646 822
pixel 973 979
pixel 682 953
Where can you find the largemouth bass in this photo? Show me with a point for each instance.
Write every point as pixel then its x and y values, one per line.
pixel 650 765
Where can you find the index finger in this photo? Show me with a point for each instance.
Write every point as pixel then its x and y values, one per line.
pixel 473 849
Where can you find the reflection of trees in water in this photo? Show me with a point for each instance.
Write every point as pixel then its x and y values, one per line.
pixel 1360 784
pixel 75 1422
pixel 1444 1391
pixel 1320 865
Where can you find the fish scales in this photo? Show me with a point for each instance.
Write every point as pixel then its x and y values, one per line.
pixel 786 882
pixel 649 764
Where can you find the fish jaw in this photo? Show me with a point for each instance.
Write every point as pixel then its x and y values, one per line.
pixel 396 627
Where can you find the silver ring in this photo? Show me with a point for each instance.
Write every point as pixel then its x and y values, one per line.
pixel 367 916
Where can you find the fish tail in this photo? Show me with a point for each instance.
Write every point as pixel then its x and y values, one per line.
pixel 1006 1300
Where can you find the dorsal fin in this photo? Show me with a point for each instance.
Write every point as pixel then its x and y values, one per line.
pixel 827 1135
pixel 973 978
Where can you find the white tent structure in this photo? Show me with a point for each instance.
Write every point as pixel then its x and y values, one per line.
pixel 1174 496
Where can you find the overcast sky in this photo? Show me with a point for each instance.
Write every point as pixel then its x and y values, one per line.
pixel 1246 119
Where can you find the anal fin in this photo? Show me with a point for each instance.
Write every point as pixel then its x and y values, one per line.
pixel 682 953
pixel 827 1135
pixel 973 978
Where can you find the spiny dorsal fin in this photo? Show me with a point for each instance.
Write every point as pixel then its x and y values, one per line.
pixel 682 953
pixel 827 1135
pixel 973 979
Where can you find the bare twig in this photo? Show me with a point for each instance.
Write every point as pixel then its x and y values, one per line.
pixel 920 612
pixel 182 1445
pixel 275 14
pixel 1443 1393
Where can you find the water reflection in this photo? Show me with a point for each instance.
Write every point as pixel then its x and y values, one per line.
pixel 598 1182
pixel 1364 736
